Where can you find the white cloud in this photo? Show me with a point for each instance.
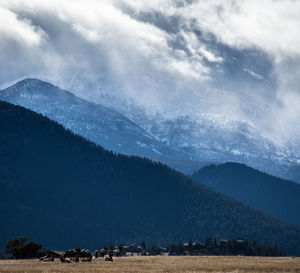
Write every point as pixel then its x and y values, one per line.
pixel 21 30
pixel 152 52
pixel 269 25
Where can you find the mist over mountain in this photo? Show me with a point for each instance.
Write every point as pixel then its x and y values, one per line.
pixel 237 60
pixel 216 139
pixel 182 142
pixel 214 67
pixel 272 195
pixel 99 124
pixel 182 82
pixel 64 191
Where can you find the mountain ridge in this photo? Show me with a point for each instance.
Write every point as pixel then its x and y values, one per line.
pixel 65 191
pixel 270 194
pixel 182 142
pixel 214 138
pixel 96 122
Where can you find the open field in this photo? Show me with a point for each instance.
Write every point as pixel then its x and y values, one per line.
pixel 159 264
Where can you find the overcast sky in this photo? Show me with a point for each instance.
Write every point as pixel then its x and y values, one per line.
pixel 239 59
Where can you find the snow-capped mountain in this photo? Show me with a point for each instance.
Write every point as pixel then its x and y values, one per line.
pixel 182 142
pixel 97 123
pixel 216 139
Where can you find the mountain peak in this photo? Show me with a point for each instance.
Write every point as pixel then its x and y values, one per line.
pixel 96 122
pixel 32 82
pixel 36 87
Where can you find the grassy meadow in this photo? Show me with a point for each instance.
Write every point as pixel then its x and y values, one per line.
pixel 165 264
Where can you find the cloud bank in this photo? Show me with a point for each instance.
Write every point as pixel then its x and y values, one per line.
pixel 237 59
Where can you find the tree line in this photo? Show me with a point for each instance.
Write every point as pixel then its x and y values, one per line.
pixel 19 248
pixel 225 248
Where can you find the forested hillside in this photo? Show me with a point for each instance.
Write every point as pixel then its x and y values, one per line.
pixel 272 195
pixel 64 191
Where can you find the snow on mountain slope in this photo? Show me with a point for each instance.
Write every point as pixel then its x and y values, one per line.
pixel 100 124
pixel 216 138
pixel 181 142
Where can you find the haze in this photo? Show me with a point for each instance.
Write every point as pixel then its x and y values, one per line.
pixel 233 60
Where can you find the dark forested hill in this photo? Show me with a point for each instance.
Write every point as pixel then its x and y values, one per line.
pixel 274 196
pixel 64 191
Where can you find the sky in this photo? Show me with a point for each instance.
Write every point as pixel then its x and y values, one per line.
pixel 236 59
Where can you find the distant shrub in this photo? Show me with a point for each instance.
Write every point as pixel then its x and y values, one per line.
pixel 21 250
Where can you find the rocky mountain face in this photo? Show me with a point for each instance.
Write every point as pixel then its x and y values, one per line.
pixel 217 139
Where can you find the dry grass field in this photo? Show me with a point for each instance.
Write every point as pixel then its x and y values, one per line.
pixel 159 264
